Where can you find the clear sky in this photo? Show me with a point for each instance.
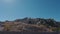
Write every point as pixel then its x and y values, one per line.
pixel 14 9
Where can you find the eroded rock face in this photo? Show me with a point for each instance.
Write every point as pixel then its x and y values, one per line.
pixel 30 28
pixel 40 28
pixel 1 28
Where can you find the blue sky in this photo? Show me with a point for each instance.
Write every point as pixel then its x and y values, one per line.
pixel 14 9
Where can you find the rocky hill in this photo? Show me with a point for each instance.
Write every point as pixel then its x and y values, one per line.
pixel 31 25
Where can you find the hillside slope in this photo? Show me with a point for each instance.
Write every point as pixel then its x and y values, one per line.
pixel 31 25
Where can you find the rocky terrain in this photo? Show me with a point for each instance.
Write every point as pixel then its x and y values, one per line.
pixel 30 25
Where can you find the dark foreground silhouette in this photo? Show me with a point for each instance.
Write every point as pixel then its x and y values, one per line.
pixel 29 33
